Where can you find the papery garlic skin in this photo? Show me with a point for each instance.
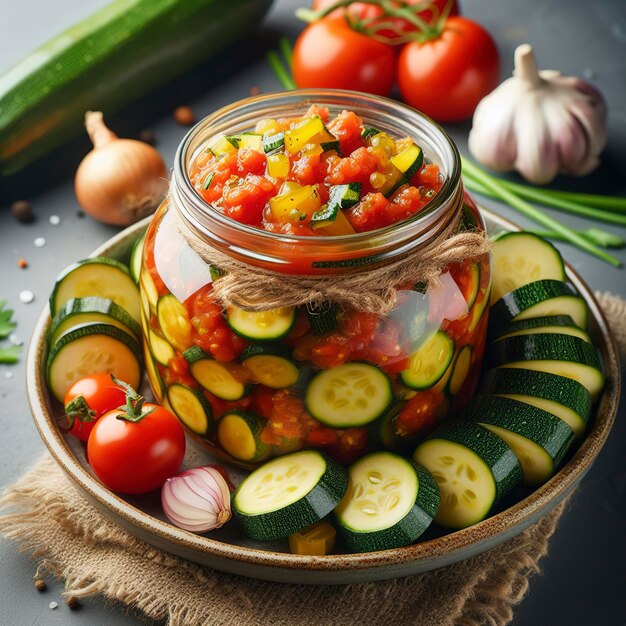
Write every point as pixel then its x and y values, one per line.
pixel 539 123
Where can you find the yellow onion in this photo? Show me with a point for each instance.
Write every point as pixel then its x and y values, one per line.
pixel 120 180
pixel 197 499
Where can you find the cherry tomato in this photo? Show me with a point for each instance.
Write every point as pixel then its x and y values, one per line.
pixel 135 457
pixel 446 77
pixel 328 53
pixel 363 11
pixel 88 399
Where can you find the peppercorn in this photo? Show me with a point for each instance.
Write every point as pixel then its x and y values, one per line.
pixel 72 602
pixel 40 585
pixel 22 263
pixel 147 136
pixel 184 116
pixel 255 91
pixel 22 211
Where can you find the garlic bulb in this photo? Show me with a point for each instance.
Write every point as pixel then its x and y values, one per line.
pixel 539 123
pixel 198 499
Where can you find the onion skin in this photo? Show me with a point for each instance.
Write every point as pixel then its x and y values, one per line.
pixel 197 500
pixel 121 180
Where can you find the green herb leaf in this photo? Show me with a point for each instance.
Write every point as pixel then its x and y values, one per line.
pixel 6 324
pixel 10 354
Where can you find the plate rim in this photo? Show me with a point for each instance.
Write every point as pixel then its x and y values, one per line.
pixel 481 536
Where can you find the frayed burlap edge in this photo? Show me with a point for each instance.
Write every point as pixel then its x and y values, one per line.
pixel 70 539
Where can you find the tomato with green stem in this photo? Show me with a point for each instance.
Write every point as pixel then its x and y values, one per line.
pixel 446 72
pixel 330 54
pixel 389 28
pixel 87 400
pixel 134 449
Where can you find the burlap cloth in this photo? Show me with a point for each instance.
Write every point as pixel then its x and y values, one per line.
pixel 70 538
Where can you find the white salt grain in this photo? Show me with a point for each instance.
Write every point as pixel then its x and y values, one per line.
pixel 53 605
pixel 40 242
pixel 55 220
pixel 26 296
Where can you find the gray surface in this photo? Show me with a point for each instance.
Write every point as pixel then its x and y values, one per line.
pixel 584 574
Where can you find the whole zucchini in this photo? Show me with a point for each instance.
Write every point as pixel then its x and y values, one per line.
pixel 106 61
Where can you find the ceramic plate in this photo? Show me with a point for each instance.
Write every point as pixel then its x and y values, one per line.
pixel 227 550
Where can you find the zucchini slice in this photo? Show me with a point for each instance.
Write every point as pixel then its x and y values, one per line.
pixel 474 469
pixel 539 439
pixel 152 372
pixel 429 362
pixel 214 376
pixel 247 141
pixel 349 395
pixel 160 349
pixel 174 322
pixel 522 258
pixel 191 408
pixel 479 310
pixel 289 493
pixel 408 161
pixel 461 369
pixel 549 324
pixel 390 502
pixel 136 257
pixel 91 349
pixel 271 143
pixel 369 131
pixel 557 354
pixel 148 290
pixel 261 325
pixel 79 311
pixel 538 299
pixel 100 276
pixel 563 397
pixel 382 433
pixel 239 433
pixel 271 365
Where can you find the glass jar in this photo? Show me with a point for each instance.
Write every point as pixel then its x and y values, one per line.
pixel 341 380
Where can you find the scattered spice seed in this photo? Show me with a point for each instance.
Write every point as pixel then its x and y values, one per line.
pixel 184 116
pixel 22 211
pixel 147 136
pixel 255 91
pixel 40 585
pixel 22 263
pixel 9 375
pixel 72 602
pixel 80 214
pixel 39 242
pixel 15 340
pixel 53 605
pixel 55 220
pixel 26 296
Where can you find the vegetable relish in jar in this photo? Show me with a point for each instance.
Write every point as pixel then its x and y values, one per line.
pixel 305 189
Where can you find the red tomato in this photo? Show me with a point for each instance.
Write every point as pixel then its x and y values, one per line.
pixel 447 77
pixel 88 399
pixel 363 11
pixel 136 457
pixel 328 53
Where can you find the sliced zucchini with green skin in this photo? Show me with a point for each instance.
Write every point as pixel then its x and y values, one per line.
pixel 382 433
pixel 390 502
pixel 191 408
pixel 271 143
pixel 539 439
pixel 474 469
pixel 288 494
pixel 538 299
pixel 479 310
pixel 474 286
pixel 247 141
pixel 349 395
pixel 174 322
pixel 429 362
pixel 551 324
pixel 136 257
pixel 213 375
pixel 261 325
pixel 461 369
pixel 340 197
pixel 557 354
pixel 92 349
pixel 563 397
pixel 154 378
pixel 239 434
pixel 271 365
pixel 369 131
pixel 323 318
pixel 408 161
pixel 100 276
pixel 161 350
pixel 148 288
pixel 78 311
pixel 522 258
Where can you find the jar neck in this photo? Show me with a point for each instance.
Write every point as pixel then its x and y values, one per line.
pixel 319 255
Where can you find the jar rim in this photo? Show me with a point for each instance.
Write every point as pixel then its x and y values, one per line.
pixel 219 228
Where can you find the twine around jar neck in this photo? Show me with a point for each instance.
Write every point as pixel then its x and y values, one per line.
pixel 368 289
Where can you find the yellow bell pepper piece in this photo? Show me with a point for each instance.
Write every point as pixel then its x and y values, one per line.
pixel 220 145
pixel 339 226
pixel 267 126
pixel 295 202
pixel 300 135
pixel 278 165
pixel 316 540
